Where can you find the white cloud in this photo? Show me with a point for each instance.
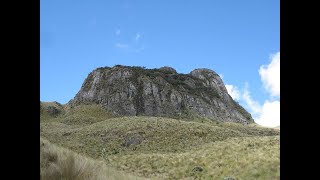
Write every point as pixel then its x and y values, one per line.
pixel 270 114
pixel 267 114
pixel 233 91
pixel 254 106
pixel 122 46
pixel 136 50
pixel 129 48
pixel 133 46
pixel 137 37
pixel 270 75
pixel 245 98
pixel 118 31
pixel 221 76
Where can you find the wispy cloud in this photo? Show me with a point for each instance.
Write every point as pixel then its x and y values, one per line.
pixel 233 91
pixel 137 37
pixel 254 106
pixel 134 45
pixel 136 50
pixel 122 45
pixel 117 32
pixel 129 48
pixel 267 114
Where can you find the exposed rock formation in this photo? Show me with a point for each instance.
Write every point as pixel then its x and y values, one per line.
pixel 134 91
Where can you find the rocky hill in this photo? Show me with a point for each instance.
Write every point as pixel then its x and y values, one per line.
pixel 131 91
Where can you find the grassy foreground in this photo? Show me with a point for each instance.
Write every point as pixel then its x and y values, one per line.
pixel 60 163
pixel 164 148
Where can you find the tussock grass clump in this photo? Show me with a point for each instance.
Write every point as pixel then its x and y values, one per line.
pixel 57 163
pixel 60 163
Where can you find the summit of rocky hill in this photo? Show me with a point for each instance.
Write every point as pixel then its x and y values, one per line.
pixel 134 90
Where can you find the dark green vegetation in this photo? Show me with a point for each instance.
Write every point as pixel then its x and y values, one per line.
pixel 164 148
pixel 178 81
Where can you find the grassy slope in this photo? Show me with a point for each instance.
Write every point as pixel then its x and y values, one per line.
pixel 240 158
pixel 155 146
pixel 44 112
pixel 78 116
pixel 60 163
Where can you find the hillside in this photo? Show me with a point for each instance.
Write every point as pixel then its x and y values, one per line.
pixel 60 163
pixel 166 148
pixel 137 91
pixel 50 109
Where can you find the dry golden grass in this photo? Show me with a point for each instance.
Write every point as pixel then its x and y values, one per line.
pixel 59 163
pixel 147 134
pixel 239 158
pixel 156 147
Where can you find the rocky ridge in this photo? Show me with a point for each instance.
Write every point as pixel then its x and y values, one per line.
pixel 132 90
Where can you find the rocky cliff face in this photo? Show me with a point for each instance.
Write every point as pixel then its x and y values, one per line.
pixel 160 92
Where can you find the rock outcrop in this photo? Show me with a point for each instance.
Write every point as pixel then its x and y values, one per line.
pixel 135 91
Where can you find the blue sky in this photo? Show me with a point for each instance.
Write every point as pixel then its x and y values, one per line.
pixel 234 38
